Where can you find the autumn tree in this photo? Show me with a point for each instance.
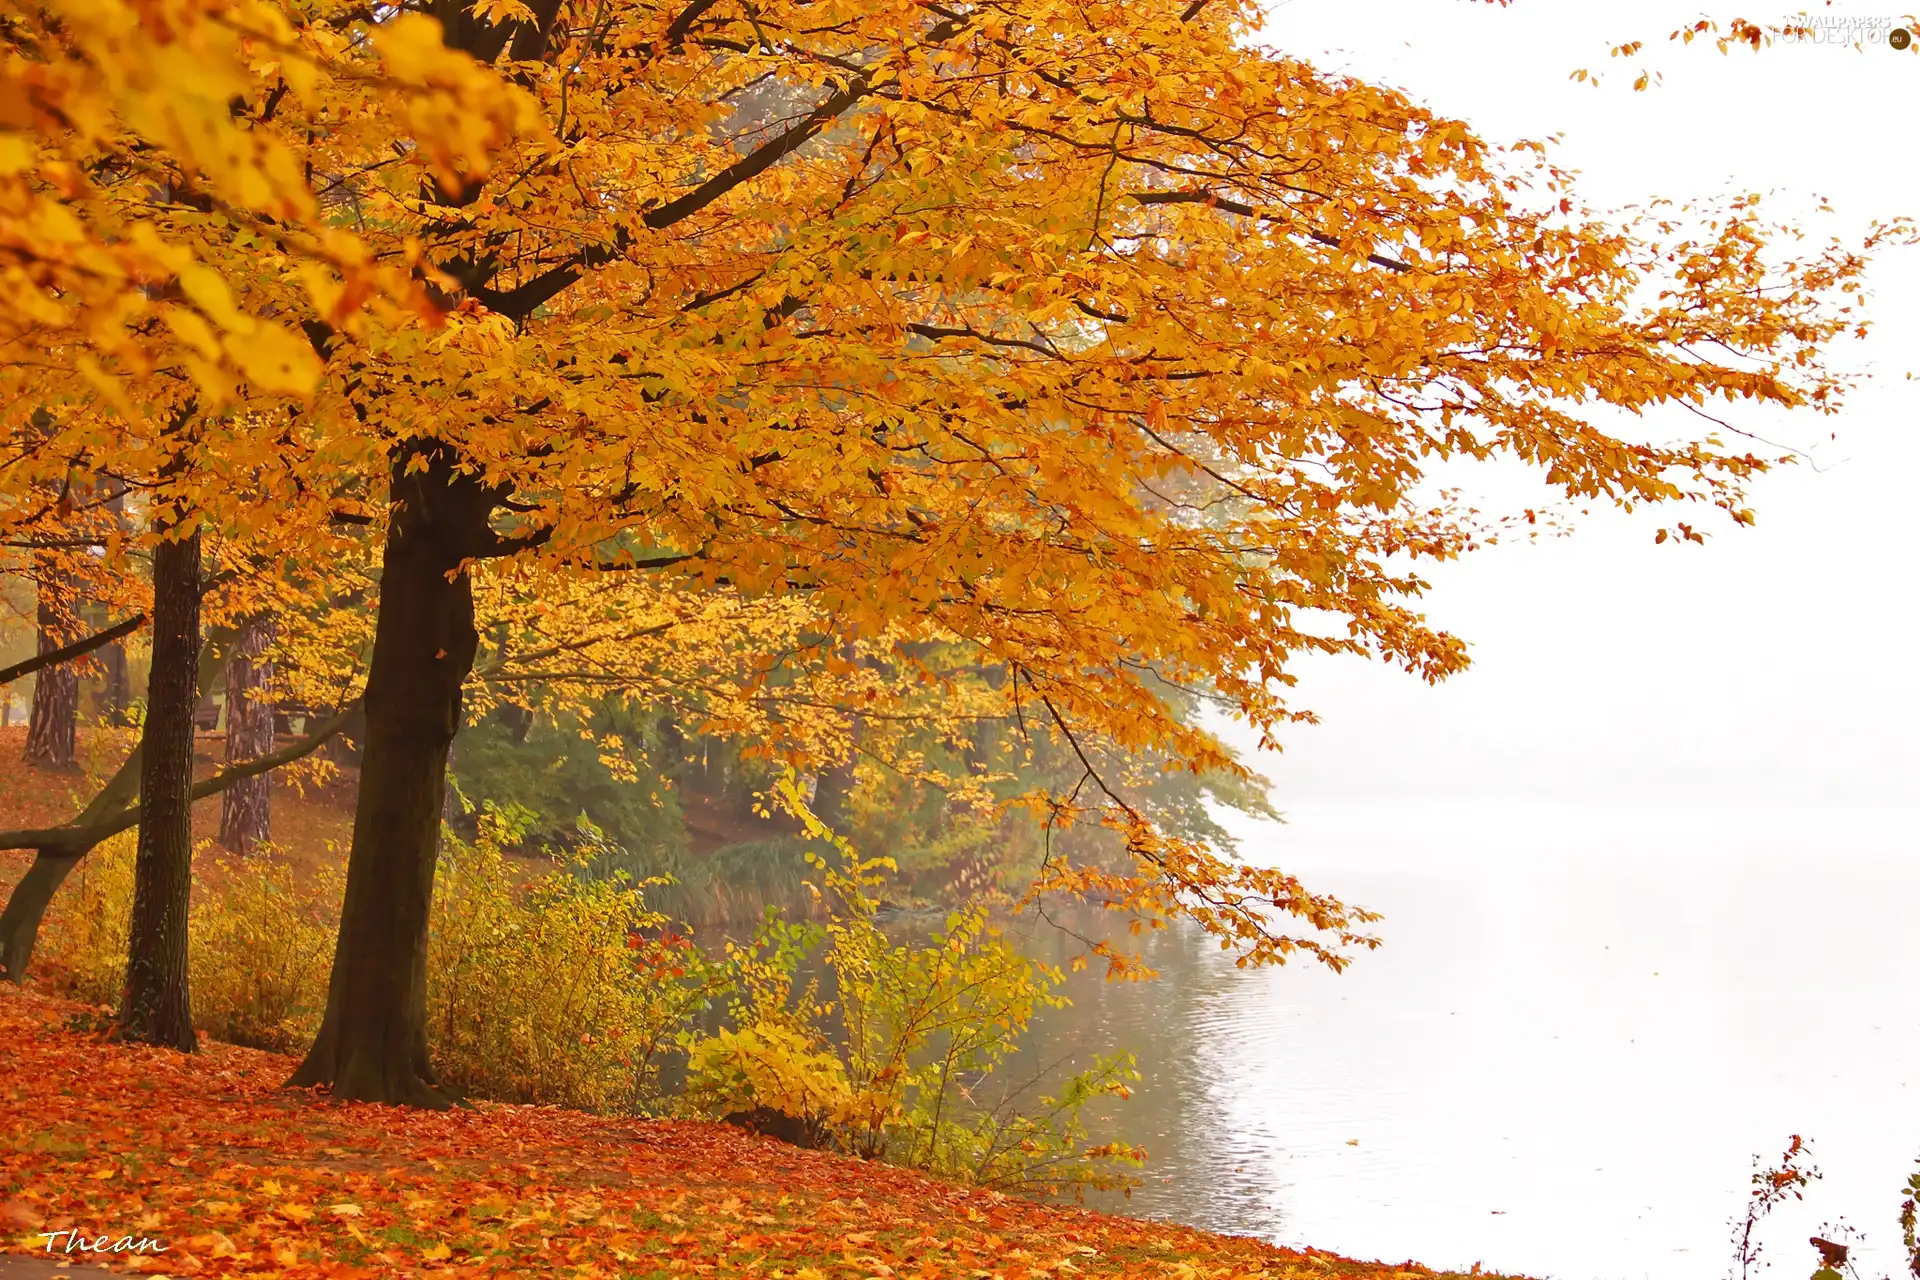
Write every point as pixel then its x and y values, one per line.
pixel 1091 338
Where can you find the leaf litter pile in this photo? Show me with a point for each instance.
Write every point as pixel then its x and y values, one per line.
pixel 209 1156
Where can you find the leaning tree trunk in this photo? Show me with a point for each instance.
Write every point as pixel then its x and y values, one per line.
pixel 56 690
pixel 372 1044
pixel 244 807
pixel 27 906
pixel 156 1008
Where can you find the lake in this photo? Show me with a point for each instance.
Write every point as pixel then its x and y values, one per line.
pixel 1583 1025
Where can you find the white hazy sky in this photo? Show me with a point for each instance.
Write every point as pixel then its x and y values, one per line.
pixel 1775 663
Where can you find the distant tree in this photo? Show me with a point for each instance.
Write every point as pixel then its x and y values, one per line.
pixel 51 723
pixel 245 807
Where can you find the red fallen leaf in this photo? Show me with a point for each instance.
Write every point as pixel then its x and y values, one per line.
pixel 285 1183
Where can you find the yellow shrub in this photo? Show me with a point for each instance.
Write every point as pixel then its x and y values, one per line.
pixel 258 944
pixel 553 993
pixel 258 951
pixel 772 1067
pixel 83 940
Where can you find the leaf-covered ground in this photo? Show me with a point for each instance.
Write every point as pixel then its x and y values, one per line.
pixel 235 1175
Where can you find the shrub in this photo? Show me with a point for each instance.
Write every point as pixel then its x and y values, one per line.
pixel 257 943
pixel 571 991
pixel 84 949
pixel 258 950
pixel 922 1032
pixel 770 1069
pixel 567 991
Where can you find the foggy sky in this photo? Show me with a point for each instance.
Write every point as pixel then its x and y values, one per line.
pixel 1775 663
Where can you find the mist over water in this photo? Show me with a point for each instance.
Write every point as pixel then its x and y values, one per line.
pixel 1584 1023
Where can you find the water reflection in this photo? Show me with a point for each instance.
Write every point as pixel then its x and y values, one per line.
pixel 1582 1028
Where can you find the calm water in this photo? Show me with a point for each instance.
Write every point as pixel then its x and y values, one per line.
pixel 1583 1025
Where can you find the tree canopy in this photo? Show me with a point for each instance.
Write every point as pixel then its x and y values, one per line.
pixel 1093 342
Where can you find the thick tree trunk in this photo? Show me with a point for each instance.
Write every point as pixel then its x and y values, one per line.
pixel 56 690
pixel 245 814
pixel 156 1008
pixel 372 1044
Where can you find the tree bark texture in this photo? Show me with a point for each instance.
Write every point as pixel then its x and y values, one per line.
pixel 372 1044
pixel 245 809
pixel 56 690
pixel 156 1007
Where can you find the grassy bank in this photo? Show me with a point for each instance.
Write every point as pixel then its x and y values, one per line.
pixel 210 1157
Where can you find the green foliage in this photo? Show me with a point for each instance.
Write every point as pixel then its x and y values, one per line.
pixel 555 774
pixel 924 1032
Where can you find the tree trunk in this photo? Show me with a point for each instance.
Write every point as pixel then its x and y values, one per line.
pixel 56 690
pixel 245 815
pixel 832 791
pixel 26 907
pixel 833 787
pixel 118 691
pixel 372 1044
pixel 156 1008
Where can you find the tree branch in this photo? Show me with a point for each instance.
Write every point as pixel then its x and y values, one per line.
pixel 757 162
pixel 66 653
pixel 1216 201
pixel 90 828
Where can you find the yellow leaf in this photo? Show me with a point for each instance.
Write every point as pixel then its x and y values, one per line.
pixel 207 291
pixel 192 330
pixel 276 359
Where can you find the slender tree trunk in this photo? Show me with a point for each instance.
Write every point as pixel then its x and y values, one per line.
pixel 118 692
pixel 114 658
pixel 156 1008
pixel 372 1044
pixel 449 810
pixel 833 787
pixel 832 790
pixel 56 690
pixel 245 815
